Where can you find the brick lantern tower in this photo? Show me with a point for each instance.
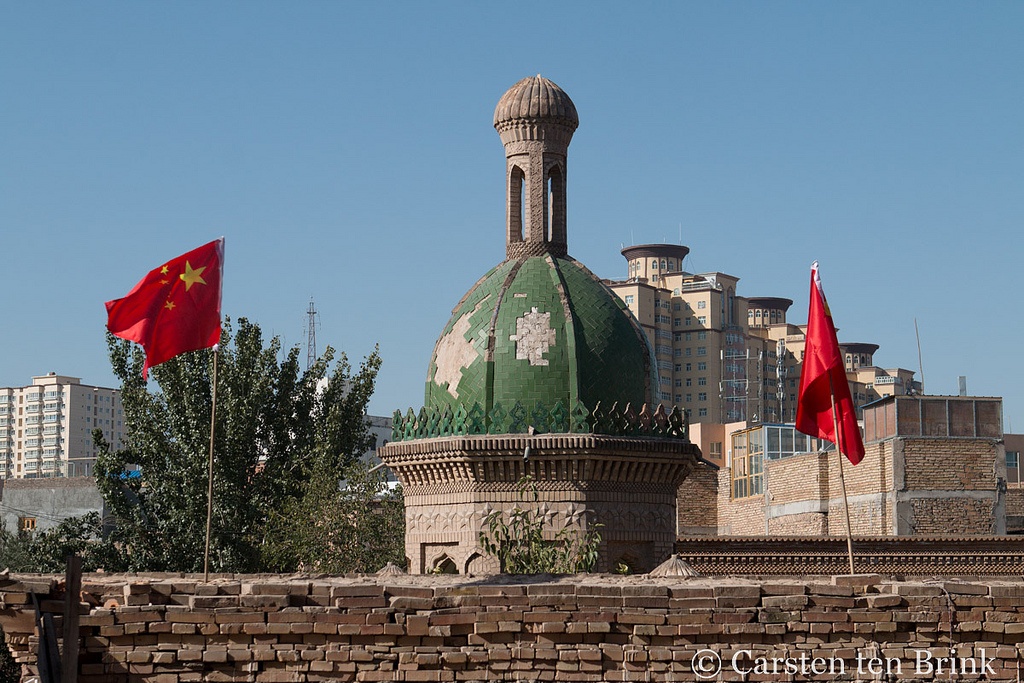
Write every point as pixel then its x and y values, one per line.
pixel 541 372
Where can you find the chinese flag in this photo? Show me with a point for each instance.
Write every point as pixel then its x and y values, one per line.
pixel 174 309
pixel 823 378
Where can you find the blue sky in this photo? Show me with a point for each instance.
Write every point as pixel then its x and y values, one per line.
pixel 345 151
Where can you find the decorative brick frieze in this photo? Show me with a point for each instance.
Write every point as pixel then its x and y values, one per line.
pixel 626 484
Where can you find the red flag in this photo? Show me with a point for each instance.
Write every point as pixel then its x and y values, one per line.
pixel 823 377
pixel 174 309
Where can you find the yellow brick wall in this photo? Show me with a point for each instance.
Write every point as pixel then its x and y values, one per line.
pixel 697 502
pixel 1015 501
pixel 952 516
pixel 804 524
pixel 950 464
pixel 741 516
pixel 798 478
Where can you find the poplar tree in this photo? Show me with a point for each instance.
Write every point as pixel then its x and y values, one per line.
pixel 280 433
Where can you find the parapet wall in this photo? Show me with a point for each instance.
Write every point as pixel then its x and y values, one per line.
pixel 171 628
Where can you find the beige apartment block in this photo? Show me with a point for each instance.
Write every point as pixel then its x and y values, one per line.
pixel 727 358
pixel 46 428
pixel 933 465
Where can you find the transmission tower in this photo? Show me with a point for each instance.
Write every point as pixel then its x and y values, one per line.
pixel 311 335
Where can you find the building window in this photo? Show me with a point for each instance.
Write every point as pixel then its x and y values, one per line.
pixel 26 523
pixel 715 450
pixel 702 319
pixel 702 396
pixel 701 366
pixel 702 304
pixel 747 464
pixel 702 335
pixel 702 350
pixel 689 381
pixel 1013 467
pixel 689 397
pixel 702 412
pixel 702 381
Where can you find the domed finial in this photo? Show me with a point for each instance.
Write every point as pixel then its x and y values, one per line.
pixel 536 99
pixel 536 120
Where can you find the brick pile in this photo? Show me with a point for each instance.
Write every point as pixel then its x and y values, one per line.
pixel 171 629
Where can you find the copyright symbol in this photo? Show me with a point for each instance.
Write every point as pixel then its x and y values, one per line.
pixel 706 664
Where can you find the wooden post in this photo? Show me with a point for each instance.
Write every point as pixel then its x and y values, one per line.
pixel 842 478
pixel 72 597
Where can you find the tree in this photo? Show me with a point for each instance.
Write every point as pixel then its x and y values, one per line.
pixel 17 550
pixel 278 429
pixel 82 536
pixel 358 526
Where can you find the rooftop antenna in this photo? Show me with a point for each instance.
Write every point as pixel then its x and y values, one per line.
pixel 920 363
pixel 311 335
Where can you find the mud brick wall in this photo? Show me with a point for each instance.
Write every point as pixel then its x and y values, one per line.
pixel 171 629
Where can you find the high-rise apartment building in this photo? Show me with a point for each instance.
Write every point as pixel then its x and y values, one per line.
pixel 727 358
pixel 46 428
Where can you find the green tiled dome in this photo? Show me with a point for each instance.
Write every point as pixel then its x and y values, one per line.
pixel 541 328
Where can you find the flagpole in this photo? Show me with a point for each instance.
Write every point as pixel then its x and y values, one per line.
pixel 842 478
pixel 209 491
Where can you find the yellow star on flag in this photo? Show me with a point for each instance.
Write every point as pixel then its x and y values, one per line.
pixel 169 305
pixel 164 270
pixel 191 277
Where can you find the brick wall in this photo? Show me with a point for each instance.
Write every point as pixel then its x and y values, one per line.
pixel 798 478
pixel 697 502
pixel 172 629
pixel 1014 509
pixel 739 516
pixel 950 464
pixel 800 524
pixel 950 486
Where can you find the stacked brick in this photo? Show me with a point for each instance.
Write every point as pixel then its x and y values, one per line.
pixel 171 629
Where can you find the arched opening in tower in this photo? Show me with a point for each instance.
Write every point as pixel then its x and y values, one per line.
pixel 554 221
pixel 516 204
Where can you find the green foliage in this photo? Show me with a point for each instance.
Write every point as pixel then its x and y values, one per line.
pixel 47 551
pixel 17 551
pixel 358 526
pixel 82 536
pixel 521 547
pixel 280 432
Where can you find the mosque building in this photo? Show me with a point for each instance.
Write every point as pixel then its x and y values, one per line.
pixel 541 372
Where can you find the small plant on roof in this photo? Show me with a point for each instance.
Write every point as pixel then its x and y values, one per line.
pixel 520 545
